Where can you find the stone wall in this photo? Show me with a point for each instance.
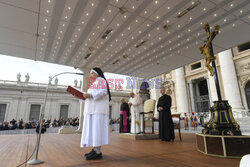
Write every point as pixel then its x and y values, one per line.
pixel 19 96
pixel 241 63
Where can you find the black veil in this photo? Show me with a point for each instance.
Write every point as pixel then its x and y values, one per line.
pixel 100 73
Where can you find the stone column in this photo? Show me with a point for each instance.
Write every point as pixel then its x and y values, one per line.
pixel 84 86
pixel 212 89
pixel 137 85
pixel 191 90
pixel 209 92
pixel 181 91
pixel 155 94
pixel 48 108
pixel 229 79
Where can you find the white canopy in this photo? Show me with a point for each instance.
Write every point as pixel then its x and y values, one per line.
pixel 142 38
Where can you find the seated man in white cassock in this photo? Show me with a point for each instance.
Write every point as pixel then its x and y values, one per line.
pixel 135 103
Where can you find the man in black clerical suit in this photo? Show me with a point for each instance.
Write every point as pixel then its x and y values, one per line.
pixel 124 117
pixel 166 126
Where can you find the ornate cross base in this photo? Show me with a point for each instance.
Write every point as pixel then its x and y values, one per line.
pixel 222 121
pixel 223 146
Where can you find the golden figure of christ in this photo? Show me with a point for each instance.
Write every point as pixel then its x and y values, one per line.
pixel 205 49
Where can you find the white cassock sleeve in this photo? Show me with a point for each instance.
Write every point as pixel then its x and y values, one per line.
pixel 101 89
pixel 136 101
pixel 130 100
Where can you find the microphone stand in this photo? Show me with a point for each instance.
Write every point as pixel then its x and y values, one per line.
pixel 36 160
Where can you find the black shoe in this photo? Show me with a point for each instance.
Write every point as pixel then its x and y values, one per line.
pixel 91 152
pixel 94 156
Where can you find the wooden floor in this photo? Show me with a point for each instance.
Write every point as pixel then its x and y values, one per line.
pixel 63 150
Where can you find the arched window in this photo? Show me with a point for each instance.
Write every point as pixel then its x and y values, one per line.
pixel 144 86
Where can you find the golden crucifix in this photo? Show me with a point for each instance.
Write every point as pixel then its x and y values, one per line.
pixel 206 48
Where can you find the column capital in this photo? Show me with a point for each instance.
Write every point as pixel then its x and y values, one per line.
pixel 206 77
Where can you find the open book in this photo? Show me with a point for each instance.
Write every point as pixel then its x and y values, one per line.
pixel 76 92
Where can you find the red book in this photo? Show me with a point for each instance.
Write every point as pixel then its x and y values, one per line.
pixel 75 92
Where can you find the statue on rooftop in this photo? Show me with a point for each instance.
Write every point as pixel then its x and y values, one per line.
pixel 56 81
pixel 27 77
pixel 18 77
pixel 50 80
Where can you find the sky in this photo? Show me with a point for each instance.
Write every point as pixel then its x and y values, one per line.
pixel 39 72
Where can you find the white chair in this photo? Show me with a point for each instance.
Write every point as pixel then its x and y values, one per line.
pixel 148 115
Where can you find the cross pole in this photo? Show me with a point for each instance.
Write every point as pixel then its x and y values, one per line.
pixel 212 35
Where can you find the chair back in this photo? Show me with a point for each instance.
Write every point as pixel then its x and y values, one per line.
pixel 149 105
pixel 148 115
pixel 176 120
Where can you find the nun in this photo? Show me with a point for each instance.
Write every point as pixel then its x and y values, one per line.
pixel 95 131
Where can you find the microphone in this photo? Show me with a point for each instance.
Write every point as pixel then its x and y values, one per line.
pixel 36 160
pixel 77 73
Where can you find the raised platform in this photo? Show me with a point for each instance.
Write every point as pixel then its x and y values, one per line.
pixel 63 150
pixel 223 146
pixel 139 136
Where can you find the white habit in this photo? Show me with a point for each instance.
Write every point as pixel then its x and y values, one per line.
pixel 135 109
pixel 96 116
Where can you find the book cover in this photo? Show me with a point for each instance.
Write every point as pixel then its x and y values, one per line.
pixel 76 92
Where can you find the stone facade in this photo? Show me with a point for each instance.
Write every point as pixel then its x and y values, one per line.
pixel 191 87
pixel 20 96
pixel 184 84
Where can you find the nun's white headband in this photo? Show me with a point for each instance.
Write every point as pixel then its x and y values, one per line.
pixel 94 71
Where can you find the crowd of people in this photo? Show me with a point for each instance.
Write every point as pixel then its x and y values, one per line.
pixel 20 124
